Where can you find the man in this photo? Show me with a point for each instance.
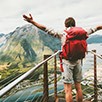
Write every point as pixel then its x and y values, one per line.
pixel 71 68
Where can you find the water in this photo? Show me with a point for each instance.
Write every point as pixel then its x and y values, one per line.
pixel 30 93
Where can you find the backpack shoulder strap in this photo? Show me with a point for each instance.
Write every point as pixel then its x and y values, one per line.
pixel 76 33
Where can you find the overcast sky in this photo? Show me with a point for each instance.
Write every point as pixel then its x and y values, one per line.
pixel 52 13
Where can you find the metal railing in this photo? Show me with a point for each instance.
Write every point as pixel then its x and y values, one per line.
pixel 95 74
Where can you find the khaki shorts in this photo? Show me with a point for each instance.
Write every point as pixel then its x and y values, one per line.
pixel 72 72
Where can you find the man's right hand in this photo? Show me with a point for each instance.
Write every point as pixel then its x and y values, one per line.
pixel 28 18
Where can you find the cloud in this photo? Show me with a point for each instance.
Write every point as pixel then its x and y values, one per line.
pixel 51 13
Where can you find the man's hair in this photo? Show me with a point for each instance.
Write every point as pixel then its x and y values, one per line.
pixel 70 22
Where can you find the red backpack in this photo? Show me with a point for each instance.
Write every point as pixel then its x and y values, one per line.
pixel 75 45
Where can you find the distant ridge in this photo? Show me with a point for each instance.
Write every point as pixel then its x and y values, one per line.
pixel 94 39
pixel 1 35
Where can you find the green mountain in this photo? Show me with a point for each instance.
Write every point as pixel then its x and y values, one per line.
pixel 26 45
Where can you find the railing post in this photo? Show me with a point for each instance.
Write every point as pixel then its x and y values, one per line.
pixel 55 79
pixel 45 91
pixel 95 78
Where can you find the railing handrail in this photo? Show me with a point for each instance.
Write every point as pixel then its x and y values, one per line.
pixel 99 56
pixel 15 82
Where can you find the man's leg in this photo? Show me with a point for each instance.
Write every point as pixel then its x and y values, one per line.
pixel 77 76
pixel 79 95
pixel 67 77
pixel 68 92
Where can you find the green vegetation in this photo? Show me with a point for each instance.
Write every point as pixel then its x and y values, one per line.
pixel 25 47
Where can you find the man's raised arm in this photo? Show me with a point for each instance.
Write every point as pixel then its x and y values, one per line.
pixel 42 27
pixel 98 28
pixel 30 20
pixel 92 30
